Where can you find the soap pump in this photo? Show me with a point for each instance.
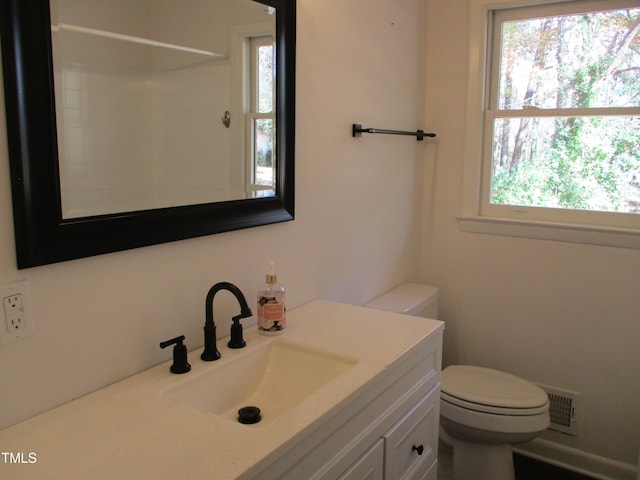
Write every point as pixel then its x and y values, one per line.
pixel 272 310
pixel 180 363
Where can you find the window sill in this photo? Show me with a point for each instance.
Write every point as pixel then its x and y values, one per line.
pixel 562 232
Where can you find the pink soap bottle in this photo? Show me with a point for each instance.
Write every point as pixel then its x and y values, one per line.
pixel 272 309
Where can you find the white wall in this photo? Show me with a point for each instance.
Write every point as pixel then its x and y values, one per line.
pixel 560 314
pixel 355 235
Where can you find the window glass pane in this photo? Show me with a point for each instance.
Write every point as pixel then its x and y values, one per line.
pixel 265 79
pixel 263 173
pixel 581 163
pixel 571 61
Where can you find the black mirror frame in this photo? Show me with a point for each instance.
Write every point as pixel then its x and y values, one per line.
pixel 42 236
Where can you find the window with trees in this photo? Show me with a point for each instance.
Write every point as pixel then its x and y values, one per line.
pixel 562 114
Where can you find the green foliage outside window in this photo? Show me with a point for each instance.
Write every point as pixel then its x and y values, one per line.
pixel 569 159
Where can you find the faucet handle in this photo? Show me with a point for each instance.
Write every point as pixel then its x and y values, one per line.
pixel 236 340
pixel 180 363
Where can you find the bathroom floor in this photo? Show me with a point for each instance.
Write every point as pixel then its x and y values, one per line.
pixel 529 469
pixel 526 469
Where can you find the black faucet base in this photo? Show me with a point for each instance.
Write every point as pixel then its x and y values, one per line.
pixel 210 356
pixel 211 352
pixel 236 340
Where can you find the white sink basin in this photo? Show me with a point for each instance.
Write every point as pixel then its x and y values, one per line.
pixel 275 377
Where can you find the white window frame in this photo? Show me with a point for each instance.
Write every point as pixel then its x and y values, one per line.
pixel 240 171
pixel 252 114
pixel 586 227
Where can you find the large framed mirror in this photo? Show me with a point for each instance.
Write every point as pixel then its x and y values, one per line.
pixel 168 120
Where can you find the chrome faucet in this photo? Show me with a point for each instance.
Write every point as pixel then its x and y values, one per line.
pixel 210 349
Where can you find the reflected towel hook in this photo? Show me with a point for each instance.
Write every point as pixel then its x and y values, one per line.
pixel 357 131
pixel 226 119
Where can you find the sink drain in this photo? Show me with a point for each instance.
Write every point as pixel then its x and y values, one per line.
pixel 249 415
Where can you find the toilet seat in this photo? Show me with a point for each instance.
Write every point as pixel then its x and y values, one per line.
pixel 492 401
pixel 490 409
pixel 491 391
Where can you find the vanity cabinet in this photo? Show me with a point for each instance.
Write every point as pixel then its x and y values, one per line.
pixel 411 445
pixel 406 452
pixel 388 432
pixel 368 467
pixel 376 419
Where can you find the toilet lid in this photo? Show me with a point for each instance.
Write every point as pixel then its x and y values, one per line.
pixel 493 388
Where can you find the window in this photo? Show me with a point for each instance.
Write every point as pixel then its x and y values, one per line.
pixel 560 130
pixel 261 118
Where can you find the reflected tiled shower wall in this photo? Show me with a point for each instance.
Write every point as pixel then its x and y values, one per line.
pixel 103 141
pixel 192 144
pixel 132 140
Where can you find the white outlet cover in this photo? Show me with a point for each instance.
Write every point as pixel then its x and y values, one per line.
pixel 24 313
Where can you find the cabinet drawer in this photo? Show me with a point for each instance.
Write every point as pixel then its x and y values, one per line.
pixel 411 444
pixel 369 466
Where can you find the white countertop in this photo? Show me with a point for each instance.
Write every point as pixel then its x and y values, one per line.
pixel 132 430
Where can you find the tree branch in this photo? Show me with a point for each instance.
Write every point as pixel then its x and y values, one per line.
pixel 626 42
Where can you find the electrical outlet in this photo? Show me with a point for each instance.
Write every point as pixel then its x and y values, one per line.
pixel 13 304
pixel 18 321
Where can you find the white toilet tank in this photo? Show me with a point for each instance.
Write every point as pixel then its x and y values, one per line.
pixel 415 299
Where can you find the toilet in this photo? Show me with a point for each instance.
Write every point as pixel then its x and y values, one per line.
pixel 483 411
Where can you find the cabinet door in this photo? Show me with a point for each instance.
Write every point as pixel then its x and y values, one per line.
pixel 411 445
pixel 369 466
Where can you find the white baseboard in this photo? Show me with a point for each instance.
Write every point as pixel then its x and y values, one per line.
pixel 578 461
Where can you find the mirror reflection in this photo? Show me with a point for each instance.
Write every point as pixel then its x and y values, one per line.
pixel 163 103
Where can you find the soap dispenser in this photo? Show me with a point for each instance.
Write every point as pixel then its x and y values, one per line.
pixel 272 310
